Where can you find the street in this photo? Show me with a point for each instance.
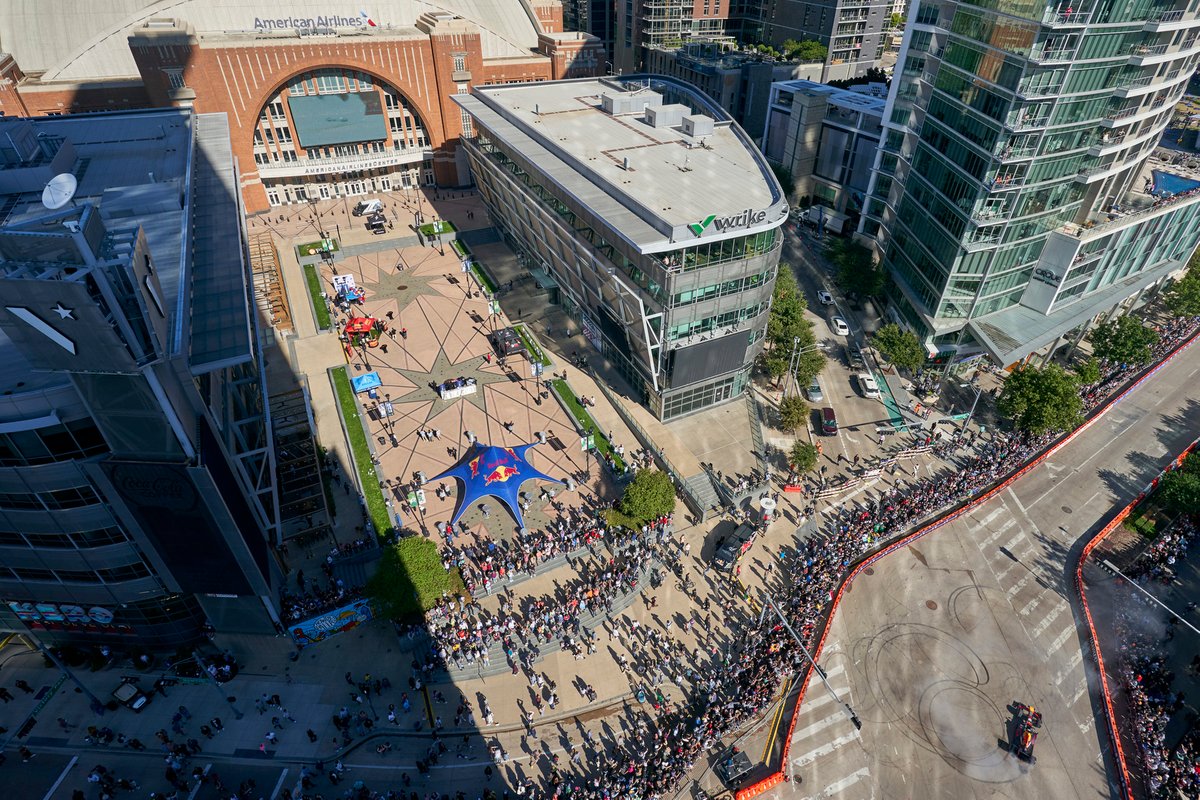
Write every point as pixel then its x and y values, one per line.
pixel 933 644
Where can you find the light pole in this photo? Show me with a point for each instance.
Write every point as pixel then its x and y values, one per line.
pixel 971 413
pixel 846 709
pixel 794 361
pixel 204 670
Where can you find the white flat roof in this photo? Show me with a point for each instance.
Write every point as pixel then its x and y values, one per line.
pixel 86 40
pixel 673 181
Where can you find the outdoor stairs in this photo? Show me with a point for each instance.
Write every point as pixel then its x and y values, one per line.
pixel 701 488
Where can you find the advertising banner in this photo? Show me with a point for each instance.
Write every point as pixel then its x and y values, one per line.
pixel 331 623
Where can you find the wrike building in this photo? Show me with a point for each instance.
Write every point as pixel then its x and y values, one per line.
pixel 323 101
pixel 653 212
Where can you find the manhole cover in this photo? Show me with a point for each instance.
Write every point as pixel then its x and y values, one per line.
pixel 1067 509
pixel 402 287
pixel 931 605
pixel 869 571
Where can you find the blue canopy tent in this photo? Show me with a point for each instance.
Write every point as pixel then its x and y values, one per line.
pixel 495 471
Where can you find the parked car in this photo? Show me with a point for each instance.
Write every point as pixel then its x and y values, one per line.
pixel 129 695
pixel 829 424
pixel 825 298
pixel 867 385
pixel 855 356
pixel 731 548
pixel 839 326
pixel 814 392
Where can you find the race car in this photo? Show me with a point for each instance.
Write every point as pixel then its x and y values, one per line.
pixel 1026 721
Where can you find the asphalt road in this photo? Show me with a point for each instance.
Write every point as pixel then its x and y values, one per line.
pixel 932 646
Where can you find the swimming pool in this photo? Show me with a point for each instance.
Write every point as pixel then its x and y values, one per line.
pixel 1167 182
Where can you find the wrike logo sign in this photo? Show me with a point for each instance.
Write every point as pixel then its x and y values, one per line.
pixel 747 217
pixel 332 21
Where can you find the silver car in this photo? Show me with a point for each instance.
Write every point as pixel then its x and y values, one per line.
pixel 814 392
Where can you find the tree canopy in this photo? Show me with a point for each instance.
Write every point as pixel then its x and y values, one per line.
pixel 1041 400
pixel 1179 489
pixel 787 323
pixel 856 269
pixel 649 495
pixel 1124 340
pixel 793 412
pixel 899 346
pixel 805 50
pixel 803 456
pixel 1088 372
pixel 1183 298
pixel 410 578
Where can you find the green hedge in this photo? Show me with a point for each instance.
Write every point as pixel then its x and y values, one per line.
pixel 484 279
pixel 581 415
pixel 460 248
pixel 313 279
pixel 431 229
pixel 535 352
pixel 372 494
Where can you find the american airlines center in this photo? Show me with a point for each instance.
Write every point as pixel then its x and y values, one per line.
pixel 323 101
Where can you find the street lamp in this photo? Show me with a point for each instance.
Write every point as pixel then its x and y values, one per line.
pixel 212 680
pixel 794 361
pixel 975 402
pixel 846 709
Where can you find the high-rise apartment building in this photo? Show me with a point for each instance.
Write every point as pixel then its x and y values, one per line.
pixel 137 474
pixel 1017 194
pixel 852 30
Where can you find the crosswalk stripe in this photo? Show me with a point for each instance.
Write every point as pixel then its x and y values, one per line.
pixel 996 534
pixel 1014 541
pixel 825 749
pixel 1055 611
pixel 819 726
pixel 1031 605
pixel 1058 640
pixel 1069 668
pixel 997 511
pixel 845 783
pixel 1019 585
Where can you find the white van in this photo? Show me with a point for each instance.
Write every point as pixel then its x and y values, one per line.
pixel 365 207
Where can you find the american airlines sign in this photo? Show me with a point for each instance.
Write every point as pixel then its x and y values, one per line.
pixel 332 21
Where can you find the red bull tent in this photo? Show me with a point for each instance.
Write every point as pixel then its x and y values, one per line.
pixel 495 471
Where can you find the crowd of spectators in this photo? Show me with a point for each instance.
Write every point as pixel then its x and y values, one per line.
pixel 313 599
pixel 1169 769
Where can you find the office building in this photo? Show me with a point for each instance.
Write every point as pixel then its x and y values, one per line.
pixel 826 139
pixel 137 493
pixel 596 17
pixel 1017 195
pixel 610 188
pixel 320 103
pixel 739 81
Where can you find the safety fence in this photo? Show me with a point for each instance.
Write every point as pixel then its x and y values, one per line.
pixel 964 507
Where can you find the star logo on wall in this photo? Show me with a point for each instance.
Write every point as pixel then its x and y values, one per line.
pixel 63 312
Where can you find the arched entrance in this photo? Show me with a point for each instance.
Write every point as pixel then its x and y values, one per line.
pixel 339 132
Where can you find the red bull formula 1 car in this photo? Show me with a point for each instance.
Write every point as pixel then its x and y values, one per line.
pixel 1026 722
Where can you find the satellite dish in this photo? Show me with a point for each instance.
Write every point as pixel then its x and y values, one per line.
pixel 59 191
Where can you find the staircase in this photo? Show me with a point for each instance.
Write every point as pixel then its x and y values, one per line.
pixel 701 489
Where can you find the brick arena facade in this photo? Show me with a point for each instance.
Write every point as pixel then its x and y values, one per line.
pixel 402 75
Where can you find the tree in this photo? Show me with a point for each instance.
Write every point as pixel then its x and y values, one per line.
pixel 649 495
pixel 410 578
pixel 807 50
pixel 1183 298
pixel 897 20
pixel 855 265
pixel 785 325
pixel 1041 400
pixel 1124 340
pixel 1088 372
pixel 899 346
pixel 1179 491
pixel 803 456
pixel 793 412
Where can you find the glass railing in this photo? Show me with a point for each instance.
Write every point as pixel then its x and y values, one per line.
pixel 1057 17
pixel 1147 49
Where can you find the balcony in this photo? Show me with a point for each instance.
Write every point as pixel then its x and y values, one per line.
pixel 337 164
pixel 1055 18
pixel 1146 49
pixel 1168 16
pixel 1039 89
pixel 1043 54
pixel 1026 121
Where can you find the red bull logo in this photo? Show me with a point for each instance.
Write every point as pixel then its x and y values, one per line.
pixel 500 474
pixel 474 465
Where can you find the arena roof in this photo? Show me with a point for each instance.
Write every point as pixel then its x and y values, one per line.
pixel 87 41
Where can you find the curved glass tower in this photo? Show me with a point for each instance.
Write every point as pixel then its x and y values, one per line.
pixel 1015 197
